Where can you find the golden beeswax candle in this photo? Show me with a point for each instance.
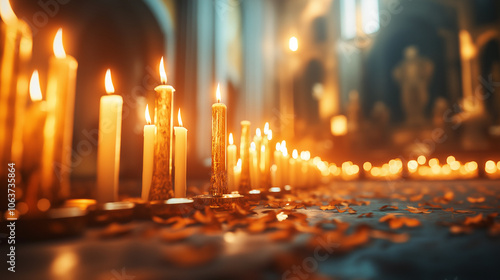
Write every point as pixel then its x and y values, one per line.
pixel 161 185
pixel 218 180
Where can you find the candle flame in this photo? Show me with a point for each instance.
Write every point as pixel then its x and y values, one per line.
pixel 266 128
pixel 35 92
pixel 231 139
pixel 6 12
pixel 58 45
pixel 179 119
pixel 283 143
pixel 146 114
pixel 252 146
pixel 270 135
pixel 278 146
pixel 238 163
pixel 258 132
pixel 108 82
pixel 295 154
pixel 262 148
pixel 293 44
pixel 163 74
pixel 217 93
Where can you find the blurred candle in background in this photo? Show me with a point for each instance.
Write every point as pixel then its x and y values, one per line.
pixel 237 173
pixel 218 181
pixel 17 47
pixel 148 154
pixel 257 139
pixel 277 163
pixel 33 130
pixel 108 147
pixel 58 131
pixel 254 166
pixel 231 163
pixel 180 157
pixel 245 186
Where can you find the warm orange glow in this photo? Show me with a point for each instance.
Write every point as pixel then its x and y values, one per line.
pixel 163 74
pixel 146 114
pixel 266 128
pixel 490 167
pixel 217 94
pixel 58 46
pixel 108 83
pixel 338 125
pixel 367 166
pixel 231 141
pixel 258 132
pixel 179 119
pixel 35 92
pixel 293 44
pixel 6 12
pixel 433 162
pixel 421 160
pixel 467 48
pixel 455 165
pixel 450 159
pixel 412 165
pixel 295 154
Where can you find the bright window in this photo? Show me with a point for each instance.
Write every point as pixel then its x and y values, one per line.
pixel 348 18
pixel 370 16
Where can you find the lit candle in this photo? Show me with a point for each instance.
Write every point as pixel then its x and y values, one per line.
pixel 148 155
pixel 14 78
pixel 293 168
pixel 231 163
pixel 218 181
pixel 180 156
pixel 285 180
pixel 237 173
pixel 161 185
pixel 58 131
pixel 108 146
pixel 257 139
pixel 33 130
pixel 245 158
pixel 277 163
pixel 254 166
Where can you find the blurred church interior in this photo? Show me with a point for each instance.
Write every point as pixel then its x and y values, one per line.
pixel 350 80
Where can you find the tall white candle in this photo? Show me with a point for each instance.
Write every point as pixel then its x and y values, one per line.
pixel 108 150
pixel 231 163
pixel 58 130
pixel 180 156
pixel 148 154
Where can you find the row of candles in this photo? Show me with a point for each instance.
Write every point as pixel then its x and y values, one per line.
pixel 165 146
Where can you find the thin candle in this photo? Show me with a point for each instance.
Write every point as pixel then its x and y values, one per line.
pixel 161 185
pixel 58 131
pixel 231 163
pixel 218 181
pixel 109 143
pixel 148 154
pixel 180 156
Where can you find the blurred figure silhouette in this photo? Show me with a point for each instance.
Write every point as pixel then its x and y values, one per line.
pixel 413 75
